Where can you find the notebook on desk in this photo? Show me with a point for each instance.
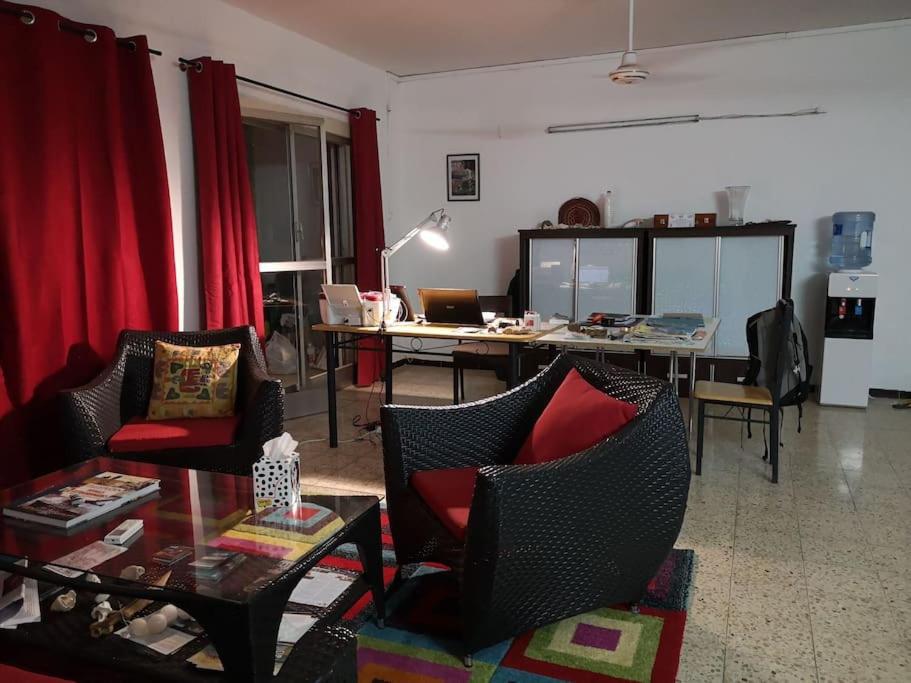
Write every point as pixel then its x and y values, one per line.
pixel 451 306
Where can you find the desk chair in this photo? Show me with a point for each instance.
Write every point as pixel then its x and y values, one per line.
pixel 481 355
pixel 764 398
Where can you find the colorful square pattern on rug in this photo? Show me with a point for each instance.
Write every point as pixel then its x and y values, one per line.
pixel 421 639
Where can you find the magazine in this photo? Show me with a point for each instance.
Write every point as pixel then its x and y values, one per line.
pixel 67 506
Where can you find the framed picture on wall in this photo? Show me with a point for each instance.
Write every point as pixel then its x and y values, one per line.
pixel 463 177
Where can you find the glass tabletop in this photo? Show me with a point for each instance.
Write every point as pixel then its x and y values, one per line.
pixel 200 526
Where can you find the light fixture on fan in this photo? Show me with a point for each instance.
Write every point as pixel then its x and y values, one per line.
pixel 629 72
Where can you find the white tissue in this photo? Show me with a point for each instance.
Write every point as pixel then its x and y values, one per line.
pixel 276 475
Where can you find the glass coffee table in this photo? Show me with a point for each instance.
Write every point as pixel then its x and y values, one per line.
pixel 203 512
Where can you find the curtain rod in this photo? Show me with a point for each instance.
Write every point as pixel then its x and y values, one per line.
pixel 28 18
pixel 187 63
pixel 90 35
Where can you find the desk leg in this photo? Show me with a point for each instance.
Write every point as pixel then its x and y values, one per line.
pixel 387 339
pixel 691 400
pixel 512 378
pixel 331 363
pixel 672 373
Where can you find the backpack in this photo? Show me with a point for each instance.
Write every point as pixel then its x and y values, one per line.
pixel 795 383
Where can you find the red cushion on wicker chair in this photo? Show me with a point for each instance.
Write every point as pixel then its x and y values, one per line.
pixel 140 435
pixel 448 493
pixel 577 417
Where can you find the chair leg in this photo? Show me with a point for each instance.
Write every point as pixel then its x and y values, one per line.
pixel 455 384
pixel 773 442
pixel 700 434
pixel 462 382
pixel 468 661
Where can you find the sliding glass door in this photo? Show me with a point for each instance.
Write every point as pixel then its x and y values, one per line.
pixel 290 185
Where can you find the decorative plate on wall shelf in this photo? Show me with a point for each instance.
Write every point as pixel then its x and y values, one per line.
pixel 579 211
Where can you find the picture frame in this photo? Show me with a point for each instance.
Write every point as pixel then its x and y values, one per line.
pixel 463 177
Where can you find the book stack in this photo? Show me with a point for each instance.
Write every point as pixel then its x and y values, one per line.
pixel 81 501
pixel 216 564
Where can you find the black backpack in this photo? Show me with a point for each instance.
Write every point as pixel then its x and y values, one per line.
pixel 795 383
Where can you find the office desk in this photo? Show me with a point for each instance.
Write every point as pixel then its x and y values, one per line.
pixel 414 330
pixel 566 339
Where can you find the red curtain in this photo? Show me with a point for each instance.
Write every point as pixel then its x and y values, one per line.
pixel 85 224
pixel 229 251
pixel 369 238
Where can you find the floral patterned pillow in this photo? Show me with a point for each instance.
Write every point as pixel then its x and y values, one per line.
pixel 193 381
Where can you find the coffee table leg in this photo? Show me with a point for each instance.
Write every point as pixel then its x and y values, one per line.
pixel 370 549
pixel 244 637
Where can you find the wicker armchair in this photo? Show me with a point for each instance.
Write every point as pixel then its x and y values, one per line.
pixel 96 411
pixel 547 541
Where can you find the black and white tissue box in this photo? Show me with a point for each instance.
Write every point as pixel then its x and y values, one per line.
pixel 276 475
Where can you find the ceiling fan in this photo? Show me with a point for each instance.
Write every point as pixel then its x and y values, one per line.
pixel 629 72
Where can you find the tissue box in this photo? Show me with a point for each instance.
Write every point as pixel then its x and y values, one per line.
pixel 276 481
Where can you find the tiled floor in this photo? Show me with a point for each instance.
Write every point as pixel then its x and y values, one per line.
pixel 809 580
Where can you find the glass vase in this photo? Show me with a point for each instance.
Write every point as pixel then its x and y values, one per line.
pixel 737 201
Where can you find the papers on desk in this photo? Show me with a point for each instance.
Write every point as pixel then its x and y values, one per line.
pixel 666 328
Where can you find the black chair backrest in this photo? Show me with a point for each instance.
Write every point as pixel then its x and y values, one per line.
pixel 138 348
pixel 499 304
pixel 784 321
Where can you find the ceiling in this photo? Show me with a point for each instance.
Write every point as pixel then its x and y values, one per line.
pixel 409 37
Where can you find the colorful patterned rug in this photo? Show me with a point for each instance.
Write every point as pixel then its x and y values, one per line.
pixel 420 641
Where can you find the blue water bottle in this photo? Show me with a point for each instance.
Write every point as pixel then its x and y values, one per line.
pixel 852 240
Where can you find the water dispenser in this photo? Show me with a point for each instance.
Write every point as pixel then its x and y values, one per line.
pixel 847 359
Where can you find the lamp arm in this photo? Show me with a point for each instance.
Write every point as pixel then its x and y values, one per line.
pixel 390 250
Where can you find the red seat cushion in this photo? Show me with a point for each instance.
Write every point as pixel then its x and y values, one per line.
pixel 448 493
pixel 11 674
pixel 577 417
pixel 140 434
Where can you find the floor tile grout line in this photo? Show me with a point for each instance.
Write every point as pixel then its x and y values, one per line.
pixel 727 616
pixel 806 584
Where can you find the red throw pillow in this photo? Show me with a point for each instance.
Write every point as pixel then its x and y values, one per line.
pixel 577 417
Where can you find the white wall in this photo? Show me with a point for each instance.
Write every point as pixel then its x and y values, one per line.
pixel 858 156
pixel 260 50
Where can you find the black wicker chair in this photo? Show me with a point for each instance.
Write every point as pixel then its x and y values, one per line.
pixel 546 541
pixel 94 412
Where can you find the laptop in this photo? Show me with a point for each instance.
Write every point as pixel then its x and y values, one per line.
pixel 451 306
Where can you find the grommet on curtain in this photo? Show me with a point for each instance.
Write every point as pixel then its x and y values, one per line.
pixel 90 36
pixel 356 113
pixel 186 64
pixel 131 45
pixel 27 18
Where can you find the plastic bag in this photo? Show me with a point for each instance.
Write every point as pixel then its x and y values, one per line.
pixel 281 355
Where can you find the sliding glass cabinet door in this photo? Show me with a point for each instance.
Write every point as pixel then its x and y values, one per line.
pixel 287 172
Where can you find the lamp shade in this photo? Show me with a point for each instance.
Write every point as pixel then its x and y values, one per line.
pixel 434 234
